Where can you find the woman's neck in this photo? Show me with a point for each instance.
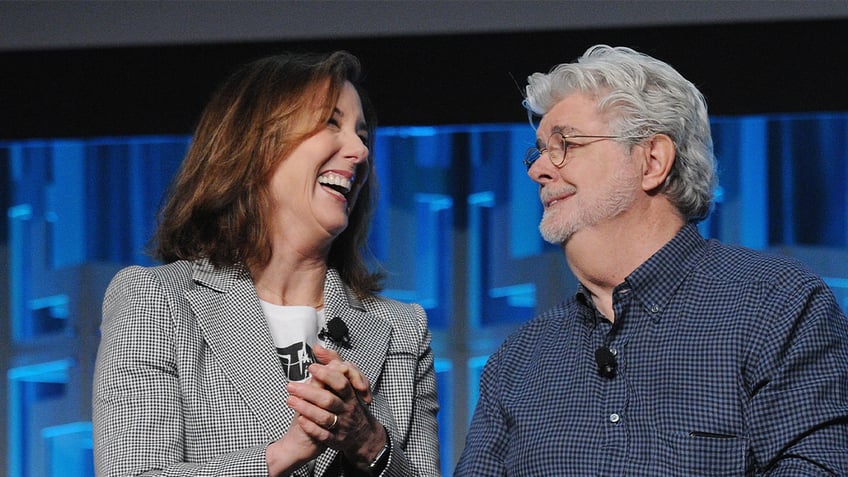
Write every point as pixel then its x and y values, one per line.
pixel 291 282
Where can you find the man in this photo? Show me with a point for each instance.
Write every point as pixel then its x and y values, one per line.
pixel 677 356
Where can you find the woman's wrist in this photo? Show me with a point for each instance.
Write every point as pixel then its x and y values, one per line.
pixel 382 458
pixel 280 458
pixel 367 456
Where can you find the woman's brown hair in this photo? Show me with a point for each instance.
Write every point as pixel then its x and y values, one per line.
pixel 218 205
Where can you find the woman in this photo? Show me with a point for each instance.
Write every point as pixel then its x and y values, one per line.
pixel 262 238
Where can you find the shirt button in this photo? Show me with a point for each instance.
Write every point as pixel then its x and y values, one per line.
pixel 614 351
pixel 655 308
pixel 614 418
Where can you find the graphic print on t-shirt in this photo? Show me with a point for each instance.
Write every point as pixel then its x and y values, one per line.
pixel 296 359
pixel 294 331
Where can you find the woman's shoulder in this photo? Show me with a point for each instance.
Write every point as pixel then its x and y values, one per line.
pixel 392 308
pixel 404 317
pixel 174 271
pixel 170 278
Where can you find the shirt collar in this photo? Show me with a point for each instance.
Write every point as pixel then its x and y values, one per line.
pixel 655 281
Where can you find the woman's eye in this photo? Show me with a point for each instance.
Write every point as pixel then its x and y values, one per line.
pixel 333 122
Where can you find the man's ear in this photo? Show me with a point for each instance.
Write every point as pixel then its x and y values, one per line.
pixel 657 162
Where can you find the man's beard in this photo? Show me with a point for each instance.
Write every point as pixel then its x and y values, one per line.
pixel 618 195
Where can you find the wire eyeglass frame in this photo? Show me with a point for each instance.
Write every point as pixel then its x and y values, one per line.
pixel 534 153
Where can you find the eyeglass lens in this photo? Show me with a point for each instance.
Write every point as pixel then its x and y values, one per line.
pixel 555 148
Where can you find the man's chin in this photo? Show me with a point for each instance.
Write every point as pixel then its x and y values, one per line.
pixel 555 235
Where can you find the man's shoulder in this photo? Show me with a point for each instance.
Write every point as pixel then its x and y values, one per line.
pixel 735 262
pixel 544 325
pixel 547 330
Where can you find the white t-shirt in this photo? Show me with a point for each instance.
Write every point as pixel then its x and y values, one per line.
pixel 294 330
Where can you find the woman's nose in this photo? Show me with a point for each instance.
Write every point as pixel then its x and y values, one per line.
pixel 355 148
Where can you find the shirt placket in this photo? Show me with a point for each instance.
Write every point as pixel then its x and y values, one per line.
pixel 613 409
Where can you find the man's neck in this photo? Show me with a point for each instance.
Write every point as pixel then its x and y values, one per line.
pixel 602 256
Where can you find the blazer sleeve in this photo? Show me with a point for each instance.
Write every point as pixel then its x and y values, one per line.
pixel 137 414
pixel 418 456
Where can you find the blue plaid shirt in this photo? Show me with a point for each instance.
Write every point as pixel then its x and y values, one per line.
pixel 729 362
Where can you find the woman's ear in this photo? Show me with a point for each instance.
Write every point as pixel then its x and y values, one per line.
pixel 657 163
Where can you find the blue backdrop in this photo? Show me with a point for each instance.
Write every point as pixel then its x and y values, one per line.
pixel 456 230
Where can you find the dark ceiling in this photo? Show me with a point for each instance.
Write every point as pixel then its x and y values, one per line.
pixel 742 68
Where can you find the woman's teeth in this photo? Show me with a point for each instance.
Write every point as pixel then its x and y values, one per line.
pixel 336 182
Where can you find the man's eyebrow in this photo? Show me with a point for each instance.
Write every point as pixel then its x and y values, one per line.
pixel 556 128
pixel 565 130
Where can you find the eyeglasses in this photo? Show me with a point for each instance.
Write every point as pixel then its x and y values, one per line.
pixel 559 144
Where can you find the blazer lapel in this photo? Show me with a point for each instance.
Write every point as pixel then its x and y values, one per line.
pixel 369 334
pixel 369 341
pixel 232 321
pixel 234 326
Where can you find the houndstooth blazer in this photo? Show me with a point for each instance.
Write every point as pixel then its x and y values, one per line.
pixel 188 382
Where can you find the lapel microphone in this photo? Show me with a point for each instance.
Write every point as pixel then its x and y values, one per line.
pixel 606 362
pixel 337 332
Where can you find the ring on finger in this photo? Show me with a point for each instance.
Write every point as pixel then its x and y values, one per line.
pixel 334 423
